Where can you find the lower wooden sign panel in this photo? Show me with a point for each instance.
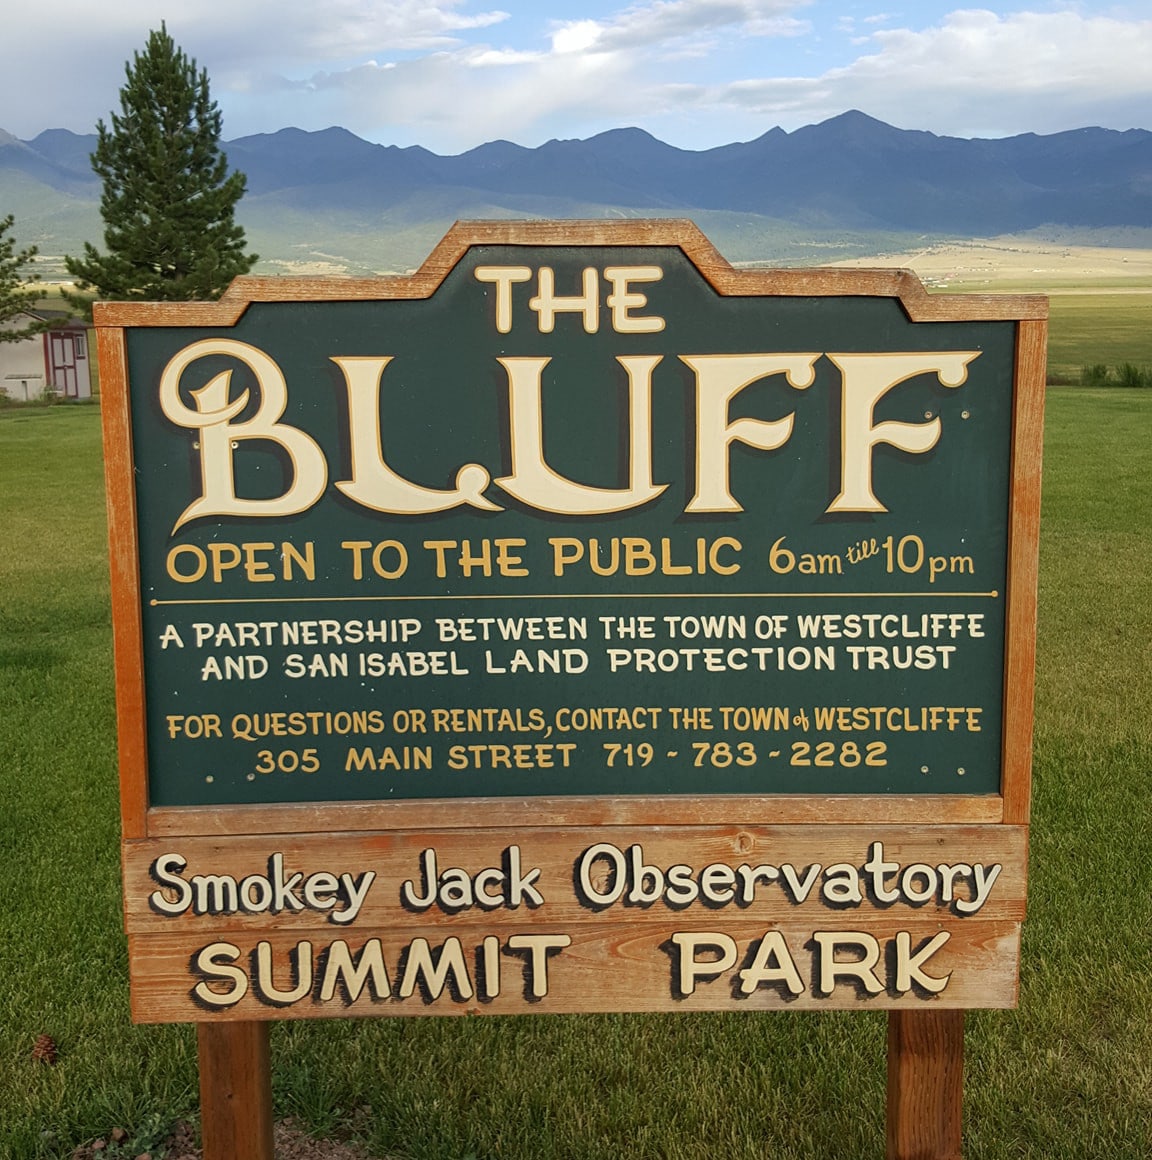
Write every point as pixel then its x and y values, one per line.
pixel 692 965
pixel 625 918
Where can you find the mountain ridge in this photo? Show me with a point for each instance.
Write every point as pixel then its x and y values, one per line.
pixel 849 173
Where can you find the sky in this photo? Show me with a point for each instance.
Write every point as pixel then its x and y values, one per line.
pixel 452 74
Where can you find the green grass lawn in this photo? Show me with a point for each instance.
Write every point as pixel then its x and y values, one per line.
pixel 1067 1075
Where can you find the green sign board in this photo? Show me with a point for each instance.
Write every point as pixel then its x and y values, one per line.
pixel 571 521
pixel 576 624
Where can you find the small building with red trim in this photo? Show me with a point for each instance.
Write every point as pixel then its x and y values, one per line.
pixel 54 360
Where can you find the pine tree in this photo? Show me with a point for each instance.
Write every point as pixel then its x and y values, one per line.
pixel 13 293
pixel 168 198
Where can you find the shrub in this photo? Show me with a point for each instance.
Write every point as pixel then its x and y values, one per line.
pixel 1094 376
pixel 1129 375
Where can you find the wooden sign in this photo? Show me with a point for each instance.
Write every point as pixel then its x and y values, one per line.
pixel 578 624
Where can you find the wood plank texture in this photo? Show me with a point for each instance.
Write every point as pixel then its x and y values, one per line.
pixel 601 967
pixel 929 809
pixel 600 923
pixel 1023 570
pixel 394 858
pixel 925 1085
pixel 124 557
pixel 235 1091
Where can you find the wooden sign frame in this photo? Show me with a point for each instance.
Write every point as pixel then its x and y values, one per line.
pixel 713 827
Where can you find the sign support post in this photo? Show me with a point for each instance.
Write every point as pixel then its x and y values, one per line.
pixel 235 1090
pixel 925 1084
pixel 577 624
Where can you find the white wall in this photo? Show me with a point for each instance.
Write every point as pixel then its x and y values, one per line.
pixel 21 363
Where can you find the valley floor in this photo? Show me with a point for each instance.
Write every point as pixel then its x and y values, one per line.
pixel 1020 263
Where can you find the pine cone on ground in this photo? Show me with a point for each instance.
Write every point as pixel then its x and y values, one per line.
pixel 44 1049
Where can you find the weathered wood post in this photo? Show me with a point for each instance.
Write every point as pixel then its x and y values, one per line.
pixel 925 1084
pixel 235 1090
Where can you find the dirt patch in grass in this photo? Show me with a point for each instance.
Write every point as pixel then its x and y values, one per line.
pixel 290 1141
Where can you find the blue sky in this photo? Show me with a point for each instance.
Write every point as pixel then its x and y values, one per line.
pixel 451 74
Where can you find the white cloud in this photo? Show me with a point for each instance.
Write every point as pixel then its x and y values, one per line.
pixel 592 74
pixel 976 73
pixel 242 33
pixel 334 30
pixel 576 36
pixel 70 74
pixel 459 99
pixel 596 74
pixel 501 57
pixel 452 73
pixel 664 23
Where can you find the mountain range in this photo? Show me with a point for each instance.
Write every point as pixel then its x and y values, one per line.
pixel 845 184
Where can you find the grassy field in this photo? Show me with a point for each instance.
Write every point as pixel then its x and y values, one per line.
pixel 1099 288
pixel 1100 298
pixel 1104 327
pixel 1067 1075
